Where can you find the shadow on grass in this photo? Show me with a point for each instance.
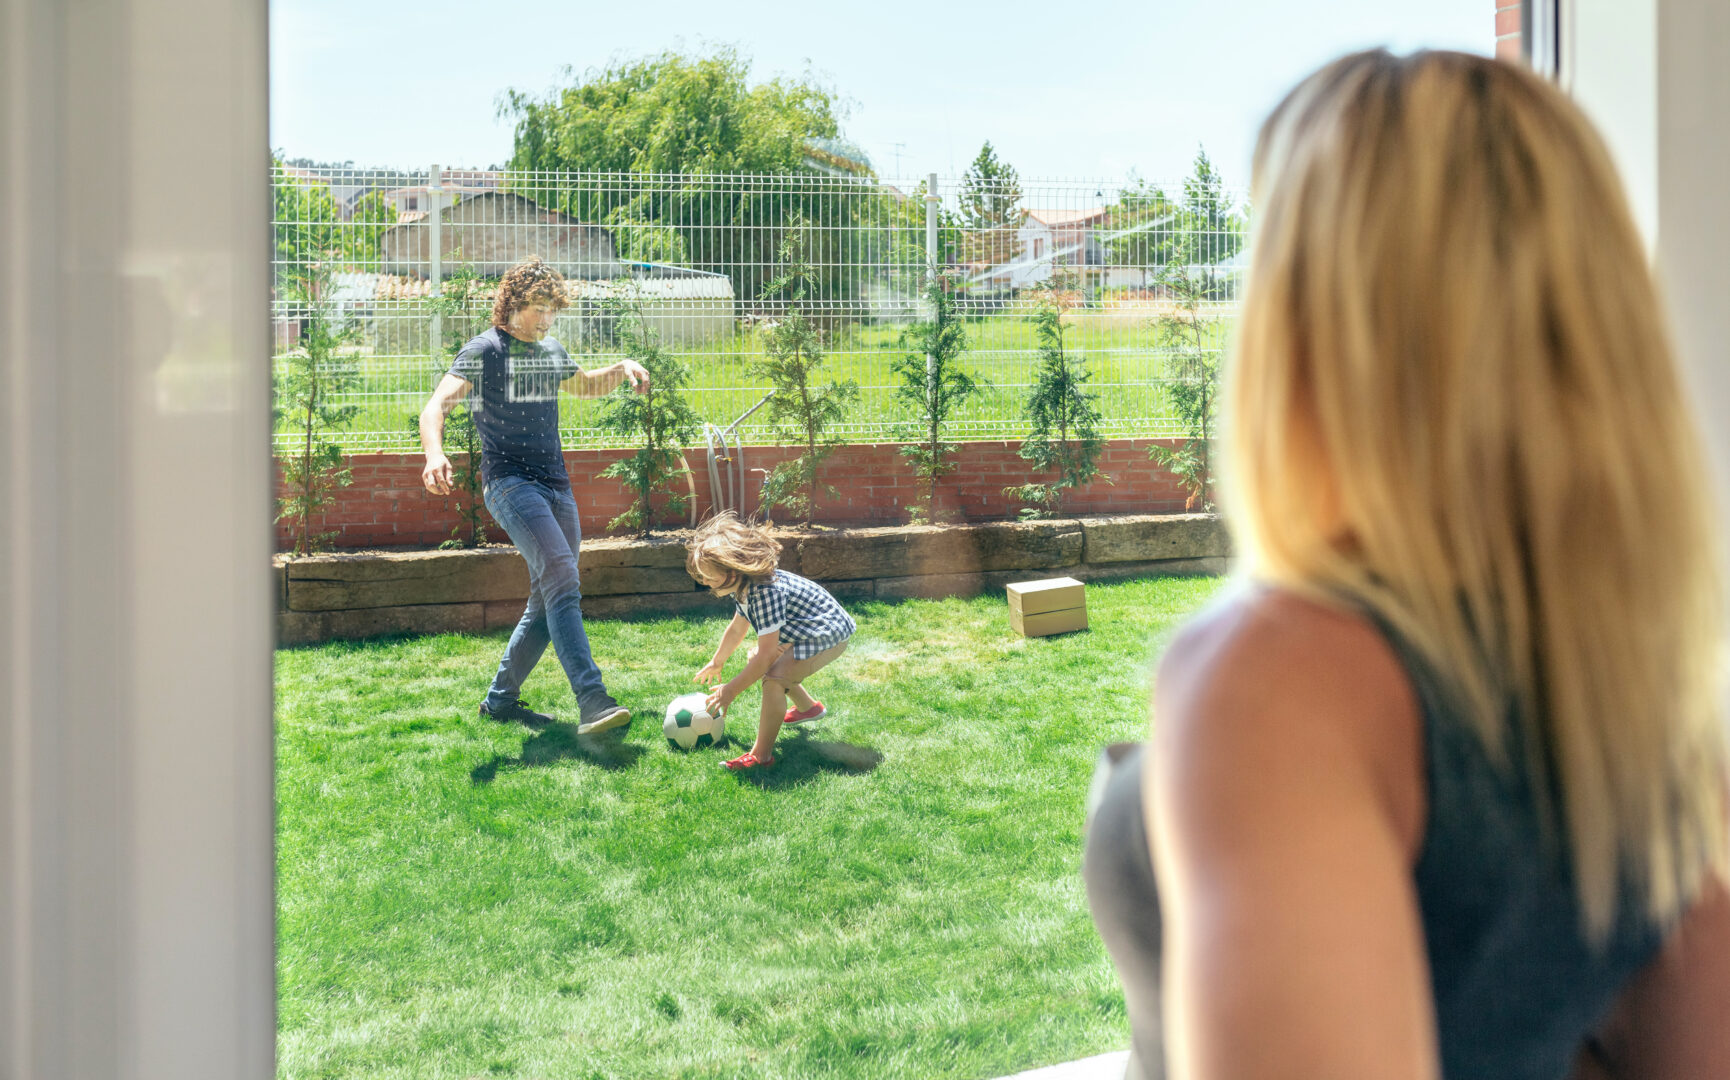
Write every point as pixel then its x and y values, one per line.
pixel 560 742
pixel 799 758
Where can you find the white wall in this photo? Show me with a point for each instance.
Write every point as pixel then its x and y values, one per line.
pixel 1609 65
pixel 1655 77
pixel 1693 236
pixel 135 736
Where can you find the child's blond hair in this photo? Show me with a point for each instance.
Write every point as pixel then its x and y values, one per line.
pixel 738 551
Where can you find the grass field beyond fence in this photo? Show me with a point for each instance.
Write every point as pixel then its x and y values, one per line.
pixel 898 897
pixel 1129 372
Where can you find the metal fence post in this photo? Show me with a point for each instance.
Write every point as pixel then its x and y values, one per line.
pixel 932 202
pixel 435 250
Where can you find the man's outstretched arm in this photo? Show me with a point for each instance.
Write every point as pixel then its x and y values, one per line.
pixel 602 380
pixel 436 476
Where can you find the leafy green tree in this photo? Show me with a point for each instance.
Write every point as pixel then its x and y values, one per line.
pixel 661 421
pixel 990 191
pixel 802 410
pixel 307 225
pixel 933 384
pixel 1211 230
pixel 308 380
pixel 310 224
pixel 1065 435
pixel 696 116
pixel 646 241
pixel 1141 227
pixel 367 222
pixel 1216 233
pixel 672 113
pixel 990 207
pixel 1147 226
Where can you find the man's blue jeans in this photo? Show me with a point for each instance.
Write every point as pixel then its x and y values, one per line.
pixel 541 519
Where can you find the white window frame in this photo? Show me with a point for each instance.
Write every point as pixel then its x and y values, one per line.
pixel 136 843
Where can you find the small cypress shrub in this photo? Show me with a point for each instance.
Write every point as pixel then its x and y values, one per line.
pixel 660 420
pixel 934 386
pixel 1065 435
pixel 803 410
pixel 462 316
pixel 308 381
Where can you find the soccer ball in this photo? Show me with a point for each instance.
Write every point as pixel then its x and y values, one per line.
pixel 688 725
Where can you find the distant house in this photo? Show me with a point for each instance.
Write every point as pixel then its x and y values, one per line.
pixel 682 305
pixel 1047 239
pixel 492 230
pixel 347 187
pixel 416 199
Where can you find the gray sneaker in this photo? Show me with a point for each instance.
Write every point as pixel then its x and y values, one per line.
pixel 603 714
pixel 516 713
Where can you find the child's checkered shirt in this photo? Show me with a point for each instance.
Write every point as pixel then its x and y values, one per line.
pixel 801 610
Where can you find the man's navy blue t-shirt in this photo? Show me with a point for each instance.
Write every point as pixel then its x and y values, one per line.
pixel 514 399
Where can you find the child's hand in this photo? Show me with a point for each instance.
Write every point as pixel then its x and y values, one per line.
pixel 708 673
pixel 719 698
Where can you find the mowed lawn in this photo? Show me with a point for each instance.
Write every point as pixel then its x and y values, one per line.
pixel 898 897
pixel 1129 372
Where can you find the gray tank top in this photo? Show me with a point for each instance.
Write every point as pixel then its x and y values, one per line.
pixel 1518 989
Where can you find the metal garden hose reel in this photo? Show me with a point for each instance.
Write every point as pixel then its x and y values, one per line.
pixel 727 489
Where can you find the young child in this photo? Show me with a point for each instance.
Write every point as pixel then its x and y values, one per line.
pixel 800 628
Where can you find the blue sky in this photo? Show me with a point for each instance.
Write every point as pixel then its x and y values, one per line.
pixel 1062 90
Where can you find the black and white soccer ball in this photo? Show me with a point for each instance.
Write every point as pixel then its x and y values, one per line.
pixel 688 725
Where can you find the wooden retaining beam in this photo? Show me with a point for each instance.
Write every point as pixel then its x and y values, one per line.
pixel 358 595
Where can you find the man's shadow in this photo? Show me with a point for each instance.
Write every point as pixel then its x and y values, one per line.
pixel 560 742
pixel 799 758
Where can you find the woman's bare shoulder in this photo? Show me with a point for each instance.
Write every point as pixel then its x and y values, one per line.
pixel 1282 682
pixel 1259 641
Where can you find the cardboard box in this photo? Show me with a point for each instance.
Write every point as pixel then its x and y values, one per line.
pixel 1053 606
pixel 1041 623
pixel 1052 594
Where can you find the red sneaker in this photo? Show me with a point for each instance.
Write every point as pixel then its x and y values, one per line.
pixel 815 712
pixel 747 760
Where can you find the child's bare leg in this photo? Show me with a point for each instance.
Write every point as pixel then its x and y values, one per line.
pixel 793 673
pixel 769 721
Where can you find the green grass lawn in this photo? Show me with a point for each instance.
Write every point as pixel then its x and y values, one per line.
pixel 898 897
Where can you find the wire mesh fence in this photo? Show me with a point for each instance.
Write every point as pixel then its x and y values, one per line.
pixel 415 256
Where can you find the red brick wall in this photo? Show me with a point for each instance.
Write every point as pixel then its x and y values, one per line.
pixel 387 507
pixel 1508 30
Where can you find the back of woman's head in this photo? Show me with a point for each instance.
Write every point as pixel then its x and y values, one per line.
pixel 1453 394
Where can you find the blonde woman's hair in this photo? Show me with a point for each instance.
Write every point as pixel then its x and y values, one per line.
pixel 1453 396
pixel 733 549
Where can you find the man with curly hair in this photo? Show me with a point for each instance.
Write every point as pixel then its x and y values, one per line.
pixel 510 376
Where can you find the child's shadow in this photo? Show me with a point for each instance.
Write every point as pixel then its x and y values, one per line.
pixel 799 758
pixel 558 743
